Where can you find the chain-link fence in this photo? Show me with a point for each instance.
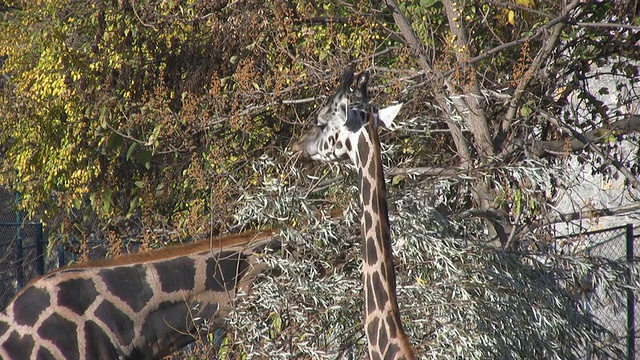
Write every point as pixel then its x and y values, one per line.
pixel 21 249
pixel 22 257
pixel 615 244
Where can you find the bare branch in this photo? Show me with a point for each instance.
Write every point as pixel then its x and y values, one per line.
pixel 437 83
pixel 608 25
pixel 585 214
pixel 536 64
pixel 542 148
pixel 427 171
pixel 470 103
pixel 633 181
pixel 296 101
pixel 591 213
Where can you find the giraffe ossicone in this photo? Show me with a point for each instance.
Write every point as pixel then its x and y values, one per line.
pixel 348 129
pixel 138 306
pixel 340 120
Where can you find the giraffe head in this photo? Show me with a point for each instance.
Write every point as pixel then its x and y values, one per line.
pixel 340 121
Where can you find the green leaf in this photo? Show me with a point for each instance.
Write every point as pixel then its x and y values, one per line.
pixel 631 70
pixel 276 325
pixel 115 141
pixel 144 157
pixel 153 139
pixel 139 184
pixel 130 151
pixel 107 202
pixel 525 111
pixel 396 179
pixel 518 201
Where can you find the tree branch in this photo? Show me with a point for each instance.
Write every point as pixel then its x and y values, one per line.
pixel 469 102
pixel 542 148
pixel 427 171
pixel 633 181
pixel 539 32
pixel 414 43
pixel 608 25
pixel 585 214
pixel 536 64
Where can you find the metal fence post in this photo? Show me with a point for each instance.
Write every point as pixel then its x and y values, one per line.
pixel 631 331
pixel 39 250
pixel 61 259
pixel 19 250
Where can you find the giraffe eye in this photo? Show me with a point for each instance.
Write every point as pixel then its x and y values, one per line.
pixel 322 126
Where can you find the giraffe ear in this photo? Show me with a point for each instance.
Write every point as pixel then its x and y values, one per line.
pixel 388 114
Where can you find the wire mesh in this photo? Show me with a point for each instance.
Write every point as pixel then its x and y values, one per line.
pixel 7 206
pixel 8 285
pixel 31 240
pixel 21 257
pixel 615 314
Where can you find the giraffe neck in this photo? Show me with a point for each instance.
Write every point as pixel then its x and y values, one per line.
pixel 383 327
pixel 140 307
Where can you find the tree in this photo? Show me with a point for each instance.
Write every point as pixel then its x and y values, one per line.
pixel 513 87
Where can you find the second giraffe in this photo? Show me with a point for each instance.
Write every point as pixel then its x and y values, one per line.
pixel 345 130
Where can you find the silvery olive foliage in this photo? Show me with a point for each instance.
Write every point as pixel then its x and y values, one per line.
pixel 458 299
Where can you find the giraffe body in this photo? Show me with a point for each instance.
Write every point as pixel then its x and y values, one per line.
pixel 140 306
pixel 347 130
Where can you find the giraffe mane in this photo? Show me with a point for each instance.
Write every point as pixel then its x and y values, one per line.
pixel 253 240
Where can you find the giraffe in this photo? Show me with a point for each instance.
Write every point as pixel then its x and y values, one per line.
pixel 138 306
pixel 344 131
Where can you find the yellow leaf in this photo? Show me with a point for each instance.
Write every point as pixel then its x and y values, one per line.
pixel 526 3
pixel 396 179
pixel 511 17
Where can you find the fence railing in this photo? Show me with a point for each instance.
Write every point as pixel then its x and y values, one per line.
pixel 616 244
pixel 23 257
pixel 22 249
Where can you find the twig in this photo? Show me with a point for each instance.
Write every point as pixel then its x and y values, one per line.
pixel 585 214
pixel 633 181
pixel 513 231
pixel 462 147
pixel 542 55
pixel 133 6
pixel 608 25
pixel 499 48
pixel 296 101
pixel 427 171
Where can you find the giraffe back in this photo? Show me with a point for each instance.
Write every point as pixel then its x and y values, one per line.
pixel 141 306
